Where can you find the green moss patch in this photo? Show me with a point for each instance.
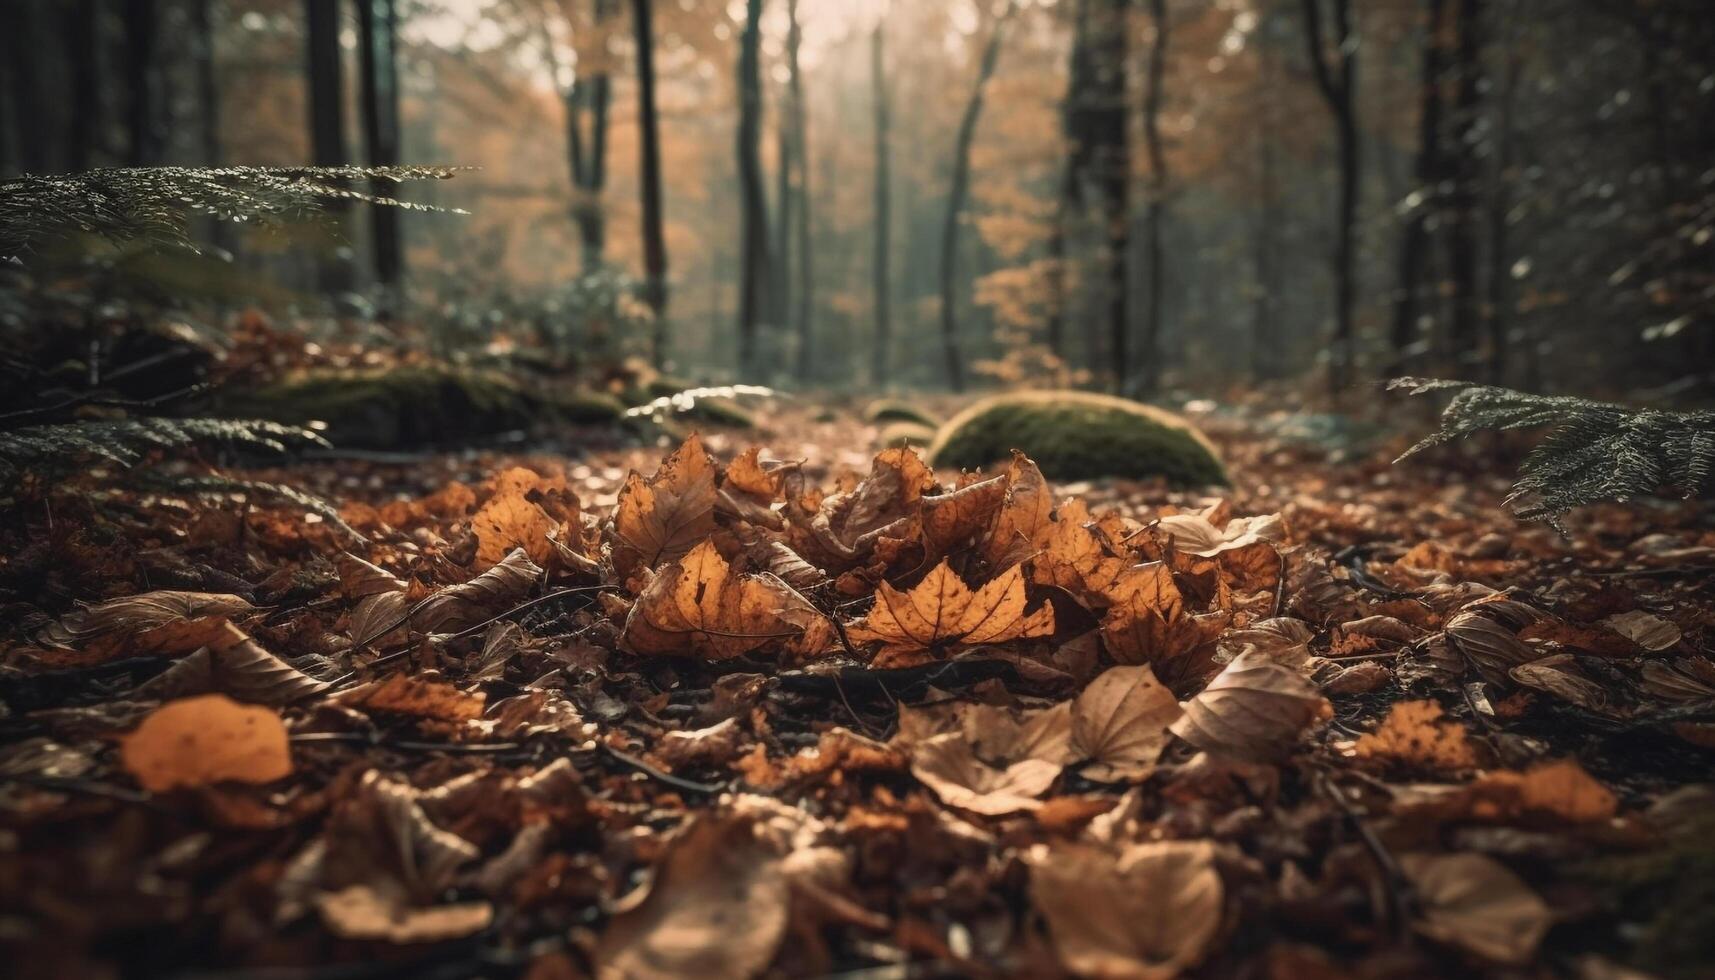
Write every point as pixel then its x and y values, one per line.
pixel 884 410
pixel 1074 435
pixel 415 405
pixel 897 434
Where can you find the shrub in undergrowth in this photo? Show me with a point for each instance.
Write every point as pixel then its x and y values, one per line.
pixel 1075 435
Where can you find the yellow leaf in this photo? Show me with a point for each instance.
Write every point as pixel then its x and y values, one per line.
pixel 942 611
pixel 697 607
pixel 205 740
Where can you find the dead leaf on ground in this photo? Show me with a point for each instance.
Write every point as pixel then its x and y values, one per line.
pixel 698 607
pixel 162 622
pixel 716 907
pixel 1414 734
pixel 949 765
pixel 662 518
pixel 459 606
pixel 1474 903
pixel 237 666
pixel 1074 558
pixel 1025 515
pixel 360 912
pixel 204 740
pixel 941 611
pixel 1253 710
pixel 1151 913
pixel 1647 630
pixel 415 697
pixel 1120 722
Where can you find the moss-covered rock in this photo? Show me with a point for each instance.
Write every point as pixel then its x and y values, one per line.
pixel 884 410
pixel 897 434
pixel 1075 435
pixel 415 405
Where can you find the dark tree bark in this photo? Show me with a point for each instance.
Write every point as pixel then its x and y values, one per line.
pixel 754 254
pixel 587 103
pixel 327 117
pixel 801 158
pixel 1428 173
pixel 378 35
pixel 649 180
pixel 1464 233
pixel 1336 79
pixel 881 286
pixel 1070 204
pixel 142 83
pixel 1099 129
pixel 956 193
pixel 1500 299
pixel 1149 379
pixel 84 57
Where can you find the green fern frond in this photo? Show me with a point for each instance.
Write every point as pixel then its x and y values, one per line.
pixel 210 485
pixel 156 204
pixel 1594 451
pixel 58 448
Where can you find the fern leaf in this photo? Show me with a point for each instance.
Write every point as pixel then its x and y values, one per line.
pixel 124 442
pixel 1594 451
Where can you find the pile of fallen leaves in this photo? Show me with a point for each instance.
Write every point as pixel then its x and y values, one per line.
pixel 749 722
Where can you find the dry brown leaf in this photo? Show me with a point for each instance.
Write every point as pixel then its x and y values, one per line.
pixel 949 765
pixel 205 740
pixel 1074 558
pixel 845 529
pixel 236 666
pixel 1194 534
pixel 698 607
pixel 511 520
pixel 1119 723
pixel 415 697
pixel 1284 640
pixel 1647 630
pixel 1474 903
pixel 162 622
pixel 1493 648
pixel 941 611
pixel 1560 789
pixel 716 907
pixel 949 519
pixel 1414 734
pixel 1150 914
pixel 662 518
pixel 1025 516
pixel 1558 675
pixel 747 476
pixel 359 579
pixel 458 606
pixel 362 912
pixel 1253 710
pixel 1146 621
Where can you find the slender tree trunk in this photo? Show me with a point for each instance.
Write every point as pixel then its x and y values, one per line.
pixel 1500 300
pixel 378 34
pixel 957 190
pixel 780 243
pixel 649 168
pixel 754 255
pixel 84 57
pixel 1337 82
pixel 881 287
pixel 587 103
pixel 1464 240
pixel 142 89
pixel 1058 273
pixel 327 118
pixel 1073 172
pixel 801 155
pixel 1426 194
pixel 1150 378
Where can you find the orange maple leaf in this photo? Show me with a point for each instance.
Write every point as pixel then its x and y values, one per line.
pixel 698 607
pixel 942 612
pixel 660 519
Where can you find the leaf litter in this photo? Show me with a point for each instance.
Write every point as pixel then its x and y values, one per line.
pixel 651 718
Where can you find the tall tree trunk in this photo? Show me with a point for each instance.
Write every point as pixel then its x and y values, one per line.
pixel 1426 194
pixel 956 193
pixel 754 254
pixel 780 243
pixel 649 171
pixel 881 287
pixel 327 119
pixel 801 156
pixel 84 57
pixel 1464 241
pixel 1073 172
pixel 1336 79
pixel 1150 378
pixel 1500 301
pixel 587 103
pixel 1102 133
pixel 378 34
pixel 142 83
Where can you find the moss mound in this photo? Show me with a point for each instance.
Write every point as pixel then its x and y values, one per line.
pixel 1075 435
pixel 415 405
pixel 884 410
pixel 896 434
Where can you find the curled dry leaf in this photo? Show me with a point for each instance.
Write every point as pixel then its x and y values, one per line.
pixel 949 765
pixel 698 607
pixel 1195 534
pixel 235 665
pixel 1647 630
pixel 1474 903
pixel 509 520
pixel 941 612
pixel 1253 710
pixel 1025 515
pixel 205 740
pixel 1151 913
pixel 662 518
pixel 1559 675
pixel 844 529
pixel 163 622
pixel 415 697
pixel 1119 723
pixel 359 578
pixel 1284 640
pixel 1074 558
pixel 950 519
pixel 1414 734
pixel 1493 648
pixel 717 907
pixel 1146 620
pixel 458 606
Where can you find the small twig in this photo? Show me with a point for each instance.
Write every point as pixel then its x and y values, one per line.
pixel 1399 893
pixel 1279 585
pixel 407 745
pixel 677 782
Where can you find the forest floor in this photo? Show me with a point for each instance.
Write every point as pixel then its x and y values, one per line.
pixel 817 711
